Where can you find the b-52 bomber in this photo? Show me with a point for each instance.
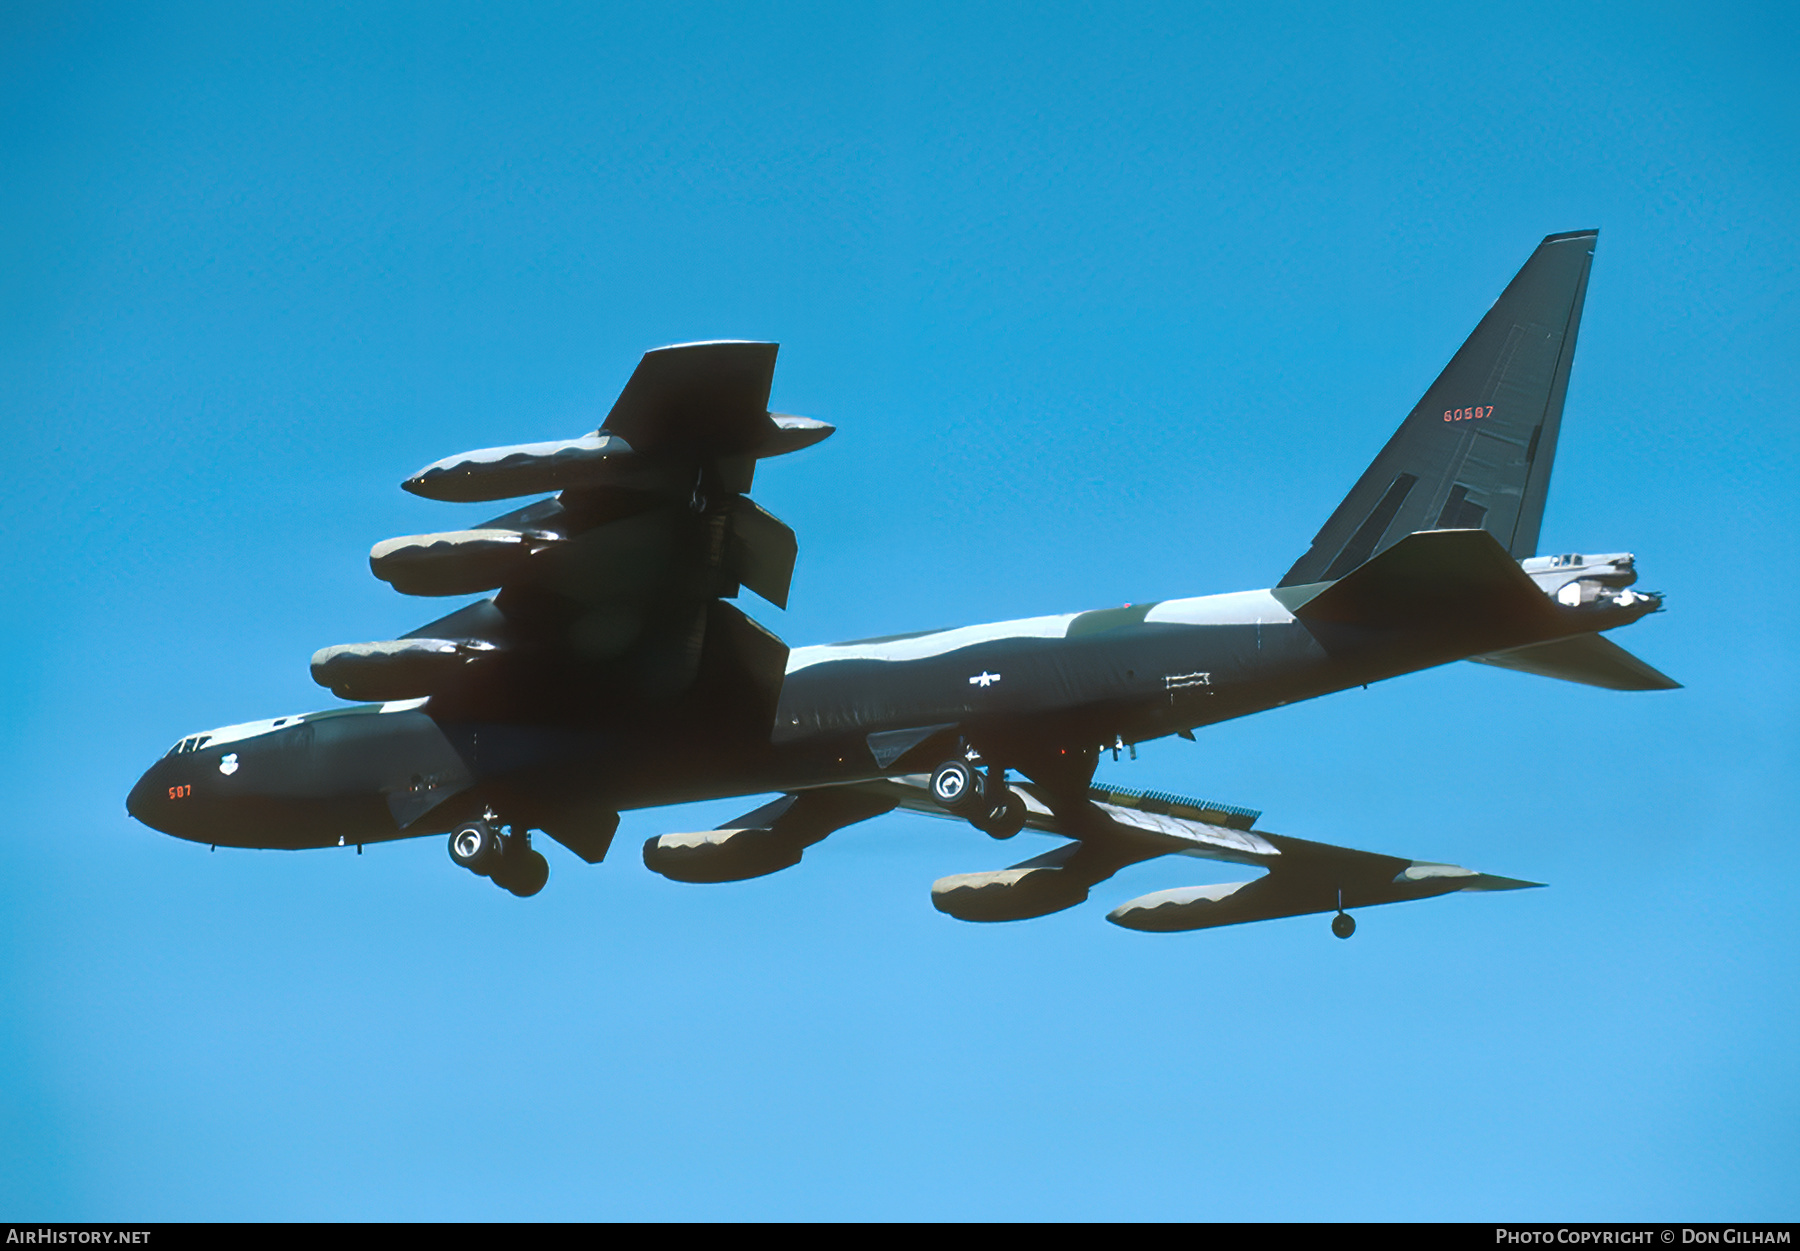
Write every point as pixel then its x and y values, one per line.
pixel 608 669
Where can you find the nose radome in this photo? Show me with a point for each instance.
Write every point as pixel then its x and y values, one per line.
pixel 137 804
pixel 150 801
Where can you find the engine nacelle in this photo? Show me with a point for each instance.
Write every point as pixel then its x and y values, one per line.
pixel 1007 894
pixel 1189 908
pixel 722 855
pixel 457 562
pixel 402 669
pixel 497 473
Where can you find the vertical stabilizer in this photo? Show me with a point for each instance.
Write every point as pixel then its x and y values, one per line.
pixel 1475 452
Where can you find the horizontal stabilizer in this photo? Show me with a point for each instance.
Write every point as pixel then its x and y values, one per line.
pixel 1286 894
pixel 1585 658
pixel 1434 579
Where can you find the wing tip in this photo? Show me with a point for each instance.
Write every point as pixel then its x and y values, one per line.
pixel 1491 881
pixel 1572 234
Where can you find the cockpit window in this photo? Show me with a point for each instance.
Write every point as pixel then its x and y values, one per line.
pixel 193 742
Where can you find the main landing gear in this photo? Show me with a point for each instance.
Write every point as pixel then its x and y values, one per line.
pixel 984 800
pixel 508 859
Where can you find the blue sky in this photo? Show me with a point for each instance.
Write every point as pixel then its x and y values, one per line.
pixel 1109 303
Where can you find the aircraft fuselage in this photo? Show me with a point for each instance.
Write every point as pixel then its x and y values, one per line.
pixel 1017 689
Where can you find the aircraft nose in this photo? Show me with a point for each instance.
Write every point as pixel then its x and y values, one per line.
pixel 152 801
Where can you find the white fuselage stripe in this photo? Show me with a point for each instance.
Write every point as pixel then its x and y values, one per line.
pixel 1236 608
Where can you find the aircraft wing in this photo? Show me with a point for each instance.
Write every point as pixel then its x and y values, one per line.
pixel 617 586
pixel 1119 827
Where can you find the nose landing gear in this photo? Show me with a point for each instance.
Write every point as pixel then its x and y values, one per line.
pixel 506 858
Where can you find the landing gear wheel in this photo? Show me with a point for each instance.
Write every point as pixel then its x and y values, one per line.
pixel 526 874
pixel 1343 925
pixel 1006 820
pixel 958 787
pixel 477 847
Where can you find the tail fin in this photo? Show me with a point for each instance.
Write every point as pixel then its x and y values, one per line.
pixel 1475 452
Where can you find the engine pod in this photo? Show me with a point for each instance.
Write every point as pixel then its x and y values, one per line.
pixel 402 669
pixel 457 562
pixel 722 855
pixel 1189 908
pixel 1007 894
pixel 497 473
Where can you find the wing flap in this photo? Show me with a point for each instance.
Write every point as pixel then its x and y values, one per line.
pixel 1150 823
pixel 761 551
